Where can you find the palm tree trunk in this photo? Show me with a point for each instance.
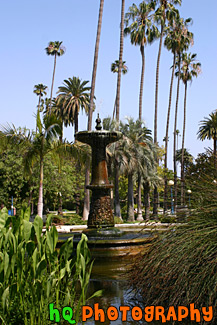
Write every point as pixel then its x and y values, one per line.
pixel 146 189
pixel 142 80
pixel 139 188
pixel 155 203
pixel 76 120
pixel 61 134
pixel 117 205
pixel 174 140
pixel 130 201
pixel 30 195
pixel 77 192
pixel 120 62
pixel 51 91
pixel 32 208
pixel 90 115
pixel 183 146
pixel 93 82
pixel 117 106
pixel 214 151
pixel 139 199
pixel 39 102
pixel 60 207
pixel 86 192
pixel 114 110
pixel 40 196
pixel 166 138
pixel 157 84
pixel 177 144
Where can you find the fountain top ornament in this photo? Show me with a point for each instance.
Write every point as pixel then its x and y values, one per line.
pixel 101 214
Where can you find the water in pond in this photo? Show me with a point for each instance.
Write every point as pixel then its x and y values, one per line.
pixel 110 276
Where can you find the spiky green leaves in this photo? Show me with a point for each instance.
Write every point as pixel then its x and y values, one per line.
pixel 178 38
pixel 208 127
pixel 73 96
pixel 115 65
pixel 40 90
pixel 190 67
pixel 142 29
pixel 55 48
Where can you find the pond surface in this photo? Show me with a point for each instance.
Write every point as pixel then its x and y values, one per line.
pixel 110 276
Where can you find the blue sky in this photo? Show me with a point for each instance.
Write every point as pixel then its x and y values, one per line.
pixel 28 26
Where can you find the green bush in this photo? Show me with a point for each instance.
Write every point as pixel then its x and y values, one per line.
pixel 33 273
pixel 67 219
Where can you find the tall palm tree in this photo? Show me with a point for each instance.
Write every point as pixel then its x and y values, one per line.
pixel 189 69
pixel 36 146
pixel 184 39
pixel 167 133
pixel 117 105
pixel 40 90
pixel 177 40
pixel 90 114
pixel 114 69
pixel 120 61
pixel 55 49
pixel 96 52
pixel 73 96
pixel 142 31
pixel 172 44
pixel 208 130
pixel 165 11
pixel 43 143
pixel 177 135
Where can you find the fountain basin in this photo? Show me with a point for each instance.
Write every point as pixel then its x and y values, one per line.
pixel 111 243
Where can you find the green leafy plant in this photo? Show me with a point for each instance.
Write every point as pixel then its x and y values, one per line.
pixel 33 273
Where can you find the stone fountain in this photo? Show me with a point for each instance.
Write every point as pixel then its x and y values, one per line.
pixel 104 239
pixel 101 215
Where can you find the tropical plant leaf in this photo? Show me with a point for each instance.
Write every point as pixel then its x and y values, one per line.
pixel 98 293
pixel 38 225
pixel 3 219
pixel 52 238
pixel 27 227
pixel 5 297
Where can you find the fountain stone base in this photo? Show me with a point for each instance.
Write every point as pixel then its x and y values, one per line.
pixel 101 214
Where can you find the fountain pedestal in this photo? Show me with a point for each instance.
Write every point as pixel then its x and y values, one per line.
pixel 101 214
